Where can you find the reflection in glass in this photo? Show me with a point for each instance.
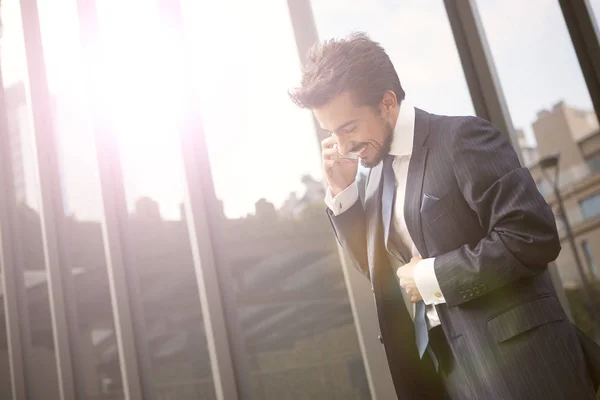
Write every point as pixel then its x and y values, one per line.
pixel 95 347
pixel 173 328
pixel 549 102
pixel 287 304
pixel 29 251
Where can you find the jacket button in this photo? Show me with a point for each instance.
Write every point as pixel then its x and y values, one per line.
pixel 380 338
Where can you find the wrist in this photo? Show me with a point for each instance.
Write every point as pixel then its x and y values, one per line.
pixel 337 190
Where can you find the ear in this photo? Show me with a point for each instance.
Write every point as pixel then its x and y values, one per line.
pixel 389 101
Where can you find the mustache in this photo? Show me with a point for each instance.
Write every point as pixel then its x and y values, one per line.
pixel 358 147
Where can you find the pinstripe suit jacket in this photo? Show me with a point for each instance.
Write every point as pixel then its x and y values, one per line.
pixel 492 235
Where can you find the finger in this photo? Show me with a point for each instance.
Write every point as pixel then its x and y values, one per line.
pixel 328 142
pixel 401 275
pixel 328 164
pixel 330 153
pixel 414 299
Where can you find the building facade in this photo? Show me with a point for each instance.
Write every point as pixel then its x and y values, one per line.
pixel 573 133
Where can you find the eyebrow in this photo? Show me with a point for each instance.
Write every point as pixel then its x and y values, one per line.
pixel 345 124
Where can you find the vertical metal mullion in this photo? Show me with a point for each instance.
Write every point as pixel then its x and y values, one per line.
pixel 583 30
pixel 125 293
pixel 361 300
pixel 124 288
pixel 479 68
pixel 51 212
pixel 13 288
pixel 486 91
pixel 199 199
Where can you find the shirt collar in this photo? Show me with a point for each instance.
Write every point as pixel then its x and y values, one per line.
pixel 404 132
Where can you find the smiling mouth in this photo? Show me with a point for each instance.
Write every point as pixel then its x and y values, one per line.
pixel 360 150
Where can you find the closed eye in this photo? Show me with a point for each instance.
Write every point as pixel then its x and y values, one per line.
pixel 348 129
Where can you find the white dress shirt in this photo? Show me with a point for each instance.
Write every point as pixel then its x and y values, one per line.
pixel 401 149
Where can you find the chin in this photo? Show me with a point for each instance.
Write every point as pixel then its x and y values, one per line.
pixel 371 161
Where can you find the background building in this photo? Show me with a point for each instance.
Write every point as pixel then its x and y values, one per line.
pixel 573 133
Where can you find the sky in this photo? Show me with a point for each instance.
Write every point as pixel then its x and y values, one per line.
pixel 244 61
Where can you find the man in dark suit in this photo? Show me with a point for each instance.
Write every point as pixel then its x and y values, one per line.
pixel 452 234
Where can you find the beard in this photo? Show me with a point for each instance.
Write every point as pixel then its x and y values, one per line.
pixel 385 148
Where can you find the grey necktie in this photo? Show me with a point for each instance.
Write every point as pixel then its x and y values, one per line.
pixel 389 191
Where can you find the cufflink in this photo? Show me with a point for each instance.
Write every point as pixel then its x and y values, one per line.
pixel 437 294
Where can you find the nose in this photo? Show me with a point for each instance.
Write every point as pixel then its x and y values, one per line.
pixel 345 146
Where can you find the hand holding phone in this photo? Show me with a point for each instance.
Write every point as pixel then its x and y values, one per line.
pixel 339 170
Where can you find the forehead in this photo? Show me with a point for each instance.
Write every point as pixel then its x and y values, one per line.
pixel 340 110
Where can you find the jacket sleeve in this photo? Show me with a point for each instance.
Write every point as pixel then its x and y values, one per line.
pixel 350 231
pixel 521 231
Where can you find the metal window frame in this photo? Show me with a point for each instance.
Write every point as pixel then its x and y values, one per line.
pixel 583 29
pixel 13 286
pixel 125 293
pixel 70 380
pixel 479 68
pixel 200 206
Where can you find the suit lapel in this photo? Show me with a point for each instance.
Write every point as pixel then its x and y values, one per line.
pixel 414 183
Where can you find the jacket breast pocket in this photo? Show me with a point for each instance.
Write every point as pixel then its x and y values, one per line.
pixel 525 317
pixel 432 208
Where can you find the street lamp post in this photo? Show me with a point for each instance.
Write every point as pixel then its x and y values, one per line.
pixel 546 164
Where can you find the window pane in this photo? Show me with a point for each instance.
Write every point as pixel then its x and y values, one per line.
pixel 591 206
pixel 292 329
pixel 549 103
pixel 29 254
pixel 137 81
pixel 416 34
pixel 95 349
pixel 591 264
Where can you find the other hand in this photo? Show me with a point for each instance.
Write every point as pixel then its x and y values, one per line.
pixel 406 274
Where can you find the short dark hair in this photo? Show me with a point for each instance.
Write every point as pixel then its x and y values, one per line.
pixel 356 64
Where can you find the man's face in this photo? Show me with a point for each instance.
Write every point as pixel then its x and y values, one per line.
pixel 359 129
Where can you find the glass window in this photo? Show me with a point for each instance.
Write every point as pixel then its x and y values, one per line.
pixel 592 266
pixel 590 206
pixel 141 113
pixel 417 36
pixel 292 329
pixel 532 51
pixel 548 99
pixel 594 163
pixel 95 349
pixel 29 254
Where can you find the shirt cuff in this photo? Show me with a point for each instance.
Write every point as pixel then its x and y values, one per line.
pixel 343 201
pixel 427 282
